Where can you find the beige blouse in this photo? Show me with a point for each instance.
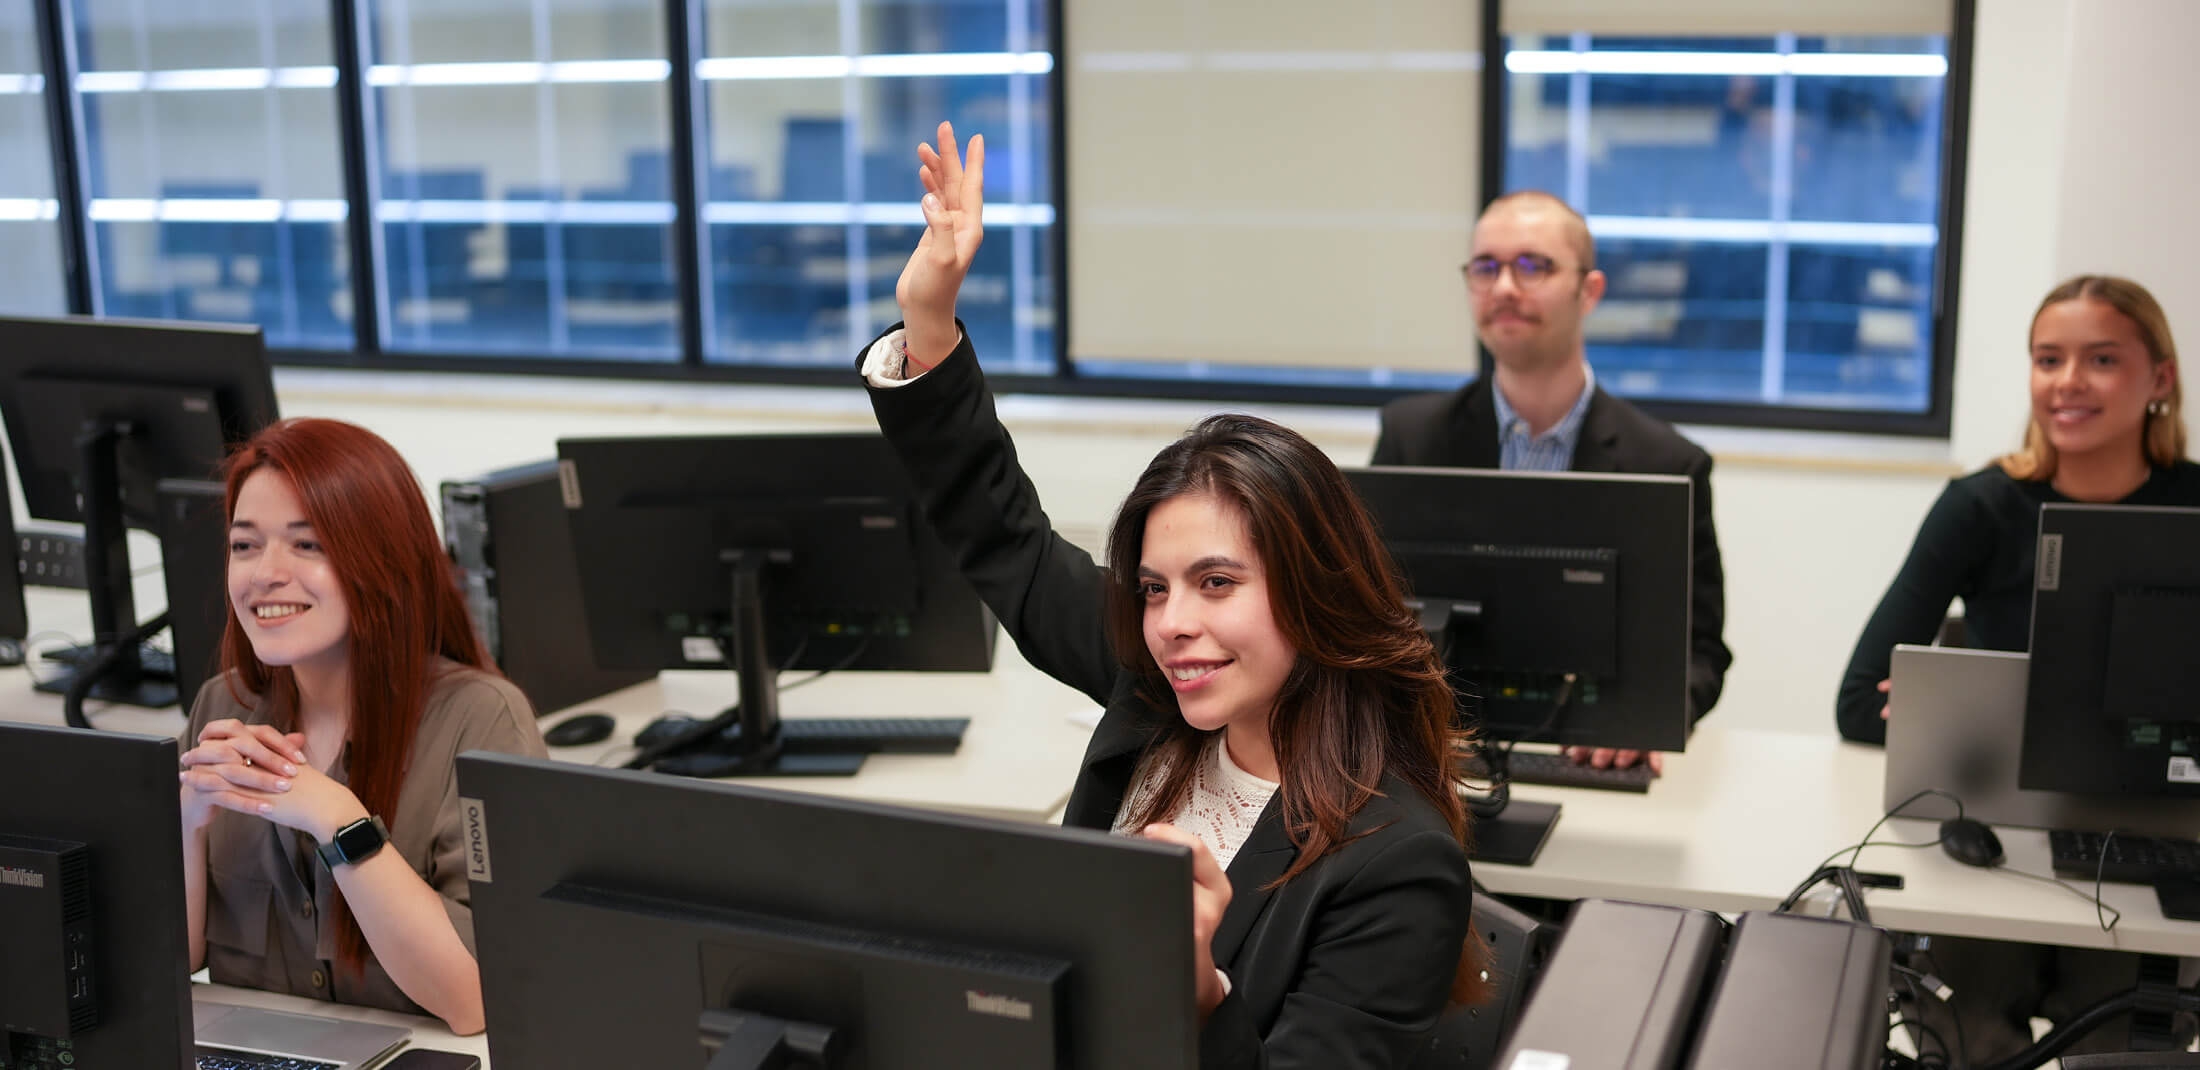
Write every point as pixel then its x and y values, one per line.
pixel 266 889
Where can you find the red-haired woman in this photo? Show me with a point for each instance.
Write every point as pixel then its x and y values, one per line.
pixel 322 850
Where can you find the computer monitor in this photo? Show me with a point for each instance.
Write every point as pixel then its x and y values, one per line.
pixel 2112 705
pixel 764 553
pixel 1525 577
pixel 93 961
pixel 1560 601
pixel 194 557
pixel 98 412
pixel 722 924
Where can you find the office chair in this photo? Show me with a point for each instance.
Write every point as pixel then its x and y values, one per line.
pixel 1470 1037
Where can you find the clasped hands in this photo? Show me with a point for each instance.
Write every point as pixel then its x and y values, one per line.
pixel 254 769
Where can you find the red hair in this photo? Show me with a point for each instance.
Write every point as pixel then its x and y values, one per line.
pixel 405 606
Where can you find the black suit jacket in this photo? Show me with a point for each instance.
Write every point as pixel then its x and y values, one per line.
pixel 1459 430
pixel 1350 963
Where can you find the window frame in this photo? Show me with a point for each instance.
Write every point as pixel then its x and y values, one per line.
pixel 683 36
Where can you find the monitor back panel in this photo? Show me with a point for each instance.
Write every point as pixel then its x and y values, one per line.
pixel 569 986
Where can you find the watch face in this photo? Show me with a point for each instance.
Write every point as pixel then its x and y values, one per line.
pixel 358 840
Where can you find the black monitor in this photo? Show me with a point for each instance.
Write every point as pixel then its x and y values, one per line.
pixel 1560 601
pixel 729 926
pixel 2113 701
pixel 194 557
pixel 98 412
pixel 764 553
pixel 93 959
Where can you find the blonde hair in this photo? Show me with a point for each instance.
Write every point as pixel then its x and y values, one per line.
pixel 2162 437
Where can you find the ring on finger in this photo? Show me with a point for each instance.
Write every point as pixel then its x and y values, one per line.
pixel 248 761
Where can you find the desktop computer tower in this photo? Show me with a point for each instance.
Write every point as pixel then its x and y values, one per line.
pixel 506 531
pixel 194 563
pixel 15 620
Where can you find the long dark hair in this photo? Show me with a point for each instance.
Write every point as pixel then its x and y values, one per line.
pixel 405 606
pixel 1368 693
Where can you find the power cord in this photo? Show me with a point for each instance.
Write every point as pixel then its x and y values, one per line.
pixel 1500 759
pixel 1850 889
pixel 89 671
pixel 2063 1035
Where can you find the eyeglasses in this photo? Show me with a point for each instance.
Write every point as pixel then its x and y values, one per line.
pixel 1529 269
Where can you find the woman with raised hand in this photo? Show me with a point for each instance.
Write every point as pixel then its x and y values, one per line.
pixel 322 850
pixel 1271 704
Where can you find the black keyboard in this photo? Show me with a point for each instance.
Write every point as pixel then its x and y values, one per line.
pixel 223 1059
pixel 1556 770
pixel 156 663
pixel 872 735
pixel 2131 859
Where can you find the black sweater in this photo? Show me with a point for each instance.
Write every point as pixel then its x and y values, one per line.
pixel 1976 544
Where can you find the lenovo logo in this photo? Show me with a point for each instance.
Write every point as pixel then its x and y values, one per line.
pixel 30 878
pixel 474 820
pixel 997 1006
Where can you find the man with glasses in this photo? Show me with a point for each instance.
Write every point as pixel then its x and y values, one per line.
pixel 1533 280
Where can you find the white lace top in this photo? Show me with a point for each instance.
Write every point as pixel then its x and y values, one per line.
pixel 1221 809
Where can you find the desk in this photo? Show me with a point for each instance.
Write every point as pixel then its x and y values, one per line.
pixel 427 1032
pixel 1743 816
pixel 1017 760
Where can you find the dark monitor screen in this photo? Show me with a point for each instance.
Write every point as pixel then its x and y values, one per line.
pixel 103 807
pixel 2113 699
pixel 705 923
pixel 763 553
pixel 1524 577
pixel 98 412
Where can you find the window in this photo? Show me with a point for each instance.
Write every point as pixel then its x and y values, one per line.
pixel 814 111
pixel 524 190
pixel 1766 192
pixel 30 272
pixel 215 176
pixel 1272 198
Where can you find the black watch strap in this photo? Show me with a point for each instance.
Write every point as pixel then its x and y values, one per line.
pixel 354 843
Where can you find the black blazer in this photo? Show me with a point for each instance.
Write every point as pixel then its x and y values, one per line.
pixel 1459 430
pixel 1350 963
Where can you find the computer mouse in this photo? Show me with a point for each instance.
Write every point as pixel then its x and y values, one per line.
pixel 579 730
pixel 1970 842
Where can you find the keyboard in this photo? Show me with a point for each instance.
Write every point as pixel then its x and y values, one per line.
pixel 872 735
pixel 224 1059
pixel 1556 770
pixel 2131 859
pixel 157 664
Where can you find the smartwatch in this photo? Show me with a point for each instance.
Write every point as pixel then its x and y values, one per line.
pixel 355 843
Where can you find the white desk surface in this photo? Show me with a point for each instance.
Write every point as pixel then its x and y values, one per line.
pixel 426 1032
pixel 1743 816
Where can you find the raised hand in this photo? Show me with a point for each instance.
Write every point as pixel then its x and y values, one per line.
pixel 954 209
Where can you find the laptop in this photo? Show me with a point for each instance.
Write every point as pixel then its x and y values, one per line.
pixel 1958 726
pixel 227 1035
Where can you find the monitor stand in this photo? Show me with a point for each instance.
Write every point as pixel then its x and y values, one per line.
pixel 126 679
pixel 1515 836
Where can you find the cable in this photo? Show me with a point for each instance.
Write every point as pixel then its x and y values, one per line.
pixel 2086 1021
pixel 1824 871
pixel 1500 761
pixel 89 671
pixel 2113 915
pixel 1963 1047
pixel 2100 867
pixel 1950 1057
